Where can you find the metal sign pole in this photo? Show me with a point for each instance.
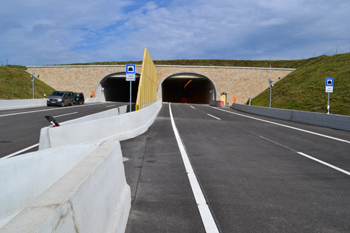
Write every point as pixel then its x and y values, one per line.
pixel 130 94
pixel 33 76
pixel 329 89
pixel 130 76
pixel 328 104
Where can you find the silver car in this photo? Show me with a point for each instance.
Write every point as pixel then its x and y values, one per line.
pixel 61 98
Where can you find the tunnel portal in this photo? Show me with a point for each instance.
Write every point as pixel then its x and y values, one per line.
pixel 116 88
pixel 188 88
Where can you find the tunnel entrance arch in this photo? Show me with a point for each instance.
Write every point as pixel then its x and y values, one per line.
pixel 188 87
pixel 114 87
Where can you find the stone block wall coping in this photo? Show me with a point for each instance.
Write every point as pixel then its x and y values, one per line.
pixel 170 66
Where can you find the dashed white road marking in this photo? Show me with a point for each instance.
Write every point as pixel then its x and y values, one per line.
pixel 217 118
pixel 287 126
pixel 66 114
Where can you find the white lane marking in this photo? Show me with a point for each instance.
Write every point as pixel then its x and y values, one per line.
pixel 206 215
pixel 287 126
pixel 324 163
pixel 51 109
pixel 110 106
pixel 18 152
pixel 66 114
pixel 214 117
pixel 192 107
pixel 301 153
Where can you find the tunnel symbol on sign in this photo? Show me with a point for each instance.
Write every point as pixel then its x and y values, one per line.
pixel 131 69
pixel 329 82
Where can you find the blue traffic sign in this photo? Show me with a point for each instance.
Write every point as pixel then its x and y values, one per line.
pixel 329 82
pixel 329 85
pixel 130 69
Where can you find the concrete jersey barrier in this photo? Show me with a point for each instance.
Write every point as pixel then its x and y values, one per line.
pixel 96 116
pixel 92 197
pixel 312 118
pixel 25 103
pixel 121 127
pixel 216 103
pixel 24 178
pixel 82 186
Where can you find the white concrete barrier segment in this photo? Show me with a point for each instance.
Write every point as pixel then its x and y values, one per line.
pixel 97 116
pixel 78 184
pixel 120 127
pixel 24 178
pixel 24 103
pixel 312 118
pixel 92 197
pixel 92 100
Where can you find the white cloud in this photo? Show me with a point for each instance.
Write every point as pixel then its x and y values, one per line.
pixel 57 32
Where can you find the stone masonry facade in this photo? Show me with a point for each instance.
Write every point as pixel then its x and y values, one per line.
pixel 240 81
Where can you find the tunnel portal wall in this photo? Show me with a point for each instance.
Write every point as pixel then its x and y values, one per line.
pixel 245 82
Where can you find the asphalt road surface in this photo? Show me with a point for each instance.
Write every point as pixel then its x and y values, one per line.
pixel 20 128
pixel 257 174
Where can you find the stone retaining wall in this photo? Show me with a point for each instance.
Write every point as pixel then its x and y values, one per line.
pixel 241 81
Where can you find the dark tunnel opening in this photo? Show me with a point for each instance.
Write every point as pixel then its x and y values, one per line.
pixel 117 89
pixel 188 88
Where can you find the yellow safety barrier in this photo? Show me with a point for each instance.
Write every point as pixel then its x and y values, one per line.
pixel 147 91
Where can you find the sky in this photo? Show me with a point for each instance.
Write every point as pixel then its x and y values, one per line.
pixel 78 31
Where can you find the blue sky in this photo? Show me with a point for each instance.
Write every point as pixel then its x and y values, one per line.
pixel 61 32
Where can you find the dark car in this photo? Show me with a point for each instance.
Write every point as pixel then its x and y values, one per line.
pixel 61 98
pixel 78 98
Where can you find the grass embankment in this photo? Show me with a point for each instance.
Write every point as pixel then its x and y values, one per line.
pixel 304 89
pixel 15 83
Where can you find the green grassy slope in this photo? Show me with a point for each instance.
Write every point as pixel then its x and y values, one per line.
pixel 304 89
pixel 15 83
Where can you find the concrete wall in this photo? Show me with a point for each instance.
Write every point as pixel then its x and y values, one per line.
pixel 121 127
pixel 241 81
pixel 92 197
pixel 319 119
pixel 24 178
pixel 23 103
pixel 98 116
pixel 73 187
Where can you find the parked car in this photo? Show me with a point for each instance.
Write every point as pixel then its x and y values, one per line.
pixel 78 98
pixel 61 98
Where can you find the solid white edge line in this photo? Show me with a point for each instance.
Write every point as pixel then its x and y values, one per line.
pixel 44 110
pixel 214 117
pixel 324 163
pixel 18 152
pixel 206 215
pixel 287 126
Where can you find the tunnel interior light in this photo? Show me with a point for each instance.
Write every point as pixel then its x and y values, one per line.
pixel 187 83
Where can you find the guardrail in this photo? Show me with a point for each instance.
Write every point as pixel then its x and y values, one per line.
pixel 312 118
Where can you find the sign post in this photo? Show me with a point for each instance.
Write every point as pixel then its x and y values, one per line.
pixel 329 89
pixel 130 76
pixel 270 84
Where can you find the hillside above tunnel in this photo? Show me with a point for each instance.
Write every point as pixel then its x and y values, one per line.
pixel 304 89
